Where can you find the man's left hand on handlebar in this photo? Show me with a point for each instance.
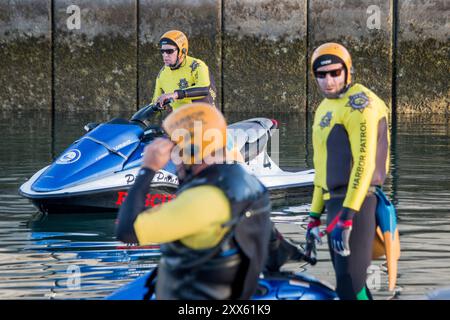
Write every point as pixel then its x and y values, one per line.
pixel 166 96
pixel 157 154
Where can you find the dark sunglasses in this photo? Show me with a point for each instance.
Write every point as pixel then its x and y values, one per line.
pixel 333 73
pixel 168 51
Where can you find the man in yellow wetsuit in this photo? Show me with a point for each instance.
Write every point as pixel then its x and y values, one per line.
pixel 182 78
pixel 351 157
pixel 216 234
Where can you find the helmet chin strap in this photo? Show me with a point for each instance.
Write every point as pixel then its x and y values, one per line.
pixel 338 95
pixel 177 63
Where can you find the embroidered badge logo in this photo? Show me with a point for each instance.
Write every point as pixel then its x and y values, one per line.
pixel 194 65
pixel 326 120
pixel 358 101
pixel 183 84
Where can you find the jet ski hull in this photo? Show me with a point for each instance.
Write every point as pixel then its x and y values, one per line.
pixel 96 171
pixel 92 199
pixel 108 200
pixel 99 195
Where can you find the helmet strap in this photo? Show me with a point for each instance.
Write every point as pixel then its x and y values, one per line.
pixel 338 95
pixel 344 90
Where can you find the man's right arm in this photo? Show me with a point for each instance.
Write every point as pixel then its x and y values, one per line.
pixel 202 83
pixel 189 213
pixel 317 204
pixel 156 156
pixel 158 90
pixel 133 205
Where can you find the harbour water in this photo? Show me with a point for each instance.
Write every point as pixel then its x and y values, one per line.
pixel 76 256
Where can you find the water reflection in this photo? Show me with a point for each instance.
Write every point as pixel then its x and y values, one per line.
pixel 40 255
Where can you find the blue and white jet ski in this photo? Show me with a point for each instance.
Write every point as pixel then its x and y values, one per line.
pixel 96 171
pixel 273 286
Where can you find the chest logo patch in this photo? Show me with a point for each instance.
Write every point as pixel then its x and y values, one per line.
pixel 194 65
pixel 326 120
pixel 358 101
pixel 183 84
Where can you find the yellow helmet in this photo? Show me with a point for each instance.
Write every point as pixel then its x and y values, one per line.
pixel 178 39
pixel 198 130
pixel 329 53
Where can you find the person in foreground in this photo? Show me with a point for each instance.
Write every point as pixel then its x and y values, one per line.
pixel 217 232
pixel 351 157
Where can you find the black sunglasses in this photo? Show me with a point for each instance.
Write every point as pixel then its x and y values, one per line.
pixel 168 51
pixel 333 73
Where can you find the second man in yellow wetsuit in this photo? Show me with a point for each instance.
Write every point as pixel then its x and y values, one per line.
pixel 183 78
pixel 351 157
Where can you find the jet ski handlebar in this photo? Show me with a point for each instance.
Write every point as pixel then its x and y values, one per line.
pixel 148 111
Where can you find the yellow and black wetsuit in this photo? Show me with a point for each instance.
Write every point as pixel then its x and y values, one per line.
pixel 188 218
pixel 351 157
pixel 192 80
pixel 215 234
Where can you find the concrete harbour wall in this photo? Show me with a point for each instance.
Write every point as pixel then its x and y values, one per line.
pixel 257 50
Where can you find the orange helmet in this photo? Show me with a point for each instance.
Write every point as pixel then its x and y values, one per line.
pixel 329 53
pixel 198 130
pixel 178 39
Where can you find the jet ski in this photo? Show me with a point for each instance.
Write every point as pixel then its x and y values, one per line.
pixel 271 286
pixel 95 172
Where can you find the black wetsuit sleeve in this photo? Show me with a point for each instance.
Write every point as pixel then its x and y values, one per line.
pixel 133 205
pixel 280 251
pixel 193 92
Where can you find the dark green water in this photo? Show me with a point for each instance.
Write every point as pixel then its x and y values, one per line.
pixel 39 255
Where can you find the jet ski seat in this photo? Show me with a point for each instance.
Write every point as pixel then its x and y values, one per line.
pixel 120 121
pixel 92 125
pixel 251 136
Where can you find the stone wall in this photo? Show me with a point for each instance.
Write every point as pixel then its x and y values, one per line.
pixel 257 50
pixel 423 57
pixel 25 55
pixel 264 55
pixel 95 66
